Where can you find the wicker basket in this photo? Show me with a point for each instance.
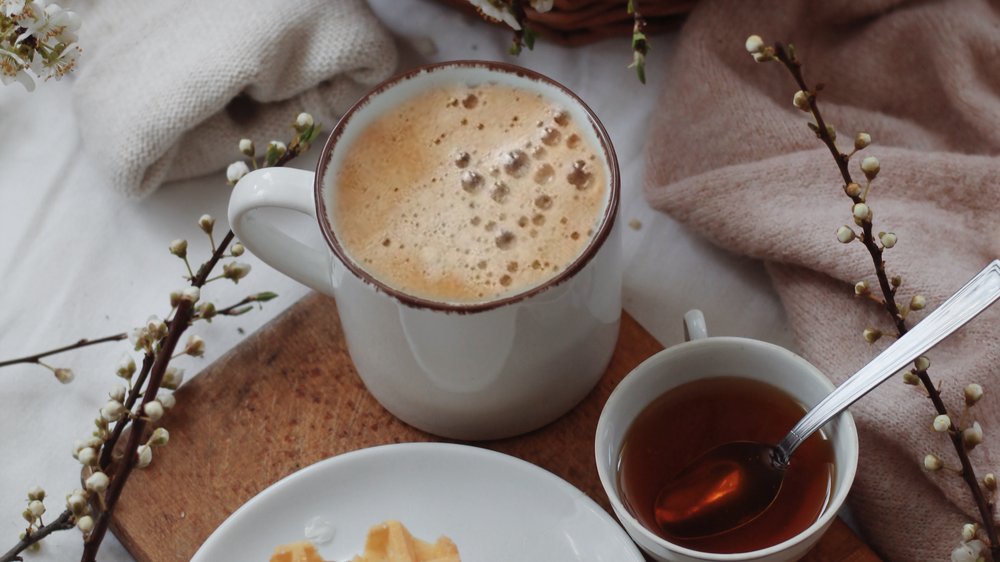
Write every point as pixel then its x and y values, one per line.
pixel 577 22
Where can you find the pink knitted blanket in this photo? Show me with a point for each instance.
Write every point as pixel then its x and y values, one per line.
pixel 731 158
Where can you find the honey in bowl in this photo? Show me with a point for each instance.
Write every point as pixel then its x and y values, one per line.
pixel 687 421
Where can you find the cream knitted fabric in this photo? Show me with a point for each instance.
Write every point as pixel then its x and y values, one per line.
pixel 732 158
pixel 166 89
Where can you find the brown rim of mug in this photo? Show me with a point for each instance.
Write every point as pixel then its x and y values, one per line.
pixel 604 230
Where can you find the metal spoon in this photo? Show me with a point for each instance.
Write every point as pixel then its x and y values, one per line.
pixel 733 484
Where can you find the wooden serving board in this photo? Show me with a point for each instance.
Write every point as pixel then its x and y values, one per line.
pixel 289 396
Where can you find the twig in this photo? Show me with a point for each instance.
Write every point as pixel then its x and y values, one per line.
pixel 61 523
pixel 889 302
pixel 82 343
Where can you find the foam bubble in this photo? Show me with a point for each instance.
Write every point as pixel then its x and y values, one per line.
pixel 573 141
pixel 544 174
pixel 579 176
pixel 512 266
pixel 522 221
pixel 560 117
pixel 543 202
pixel 471 181
pixel 506 280
pixel 462 159
pixel 550 136
pixel 470 101
pixel 515 162
pixel 538 219
pixel 500 192
pixel 506 240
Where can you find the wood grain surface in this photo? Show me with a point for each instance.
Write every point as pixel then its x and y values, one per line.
pixel 289 396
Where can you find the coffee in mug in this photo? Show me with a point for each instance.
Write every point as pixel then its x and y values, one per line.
pixel 466 194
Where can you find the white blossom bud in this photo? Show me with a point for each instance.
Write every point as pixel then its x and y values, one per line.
pixel 237 249
pixel 206 310
pixel 918 302
pixel 36 493
pixel 861 211
pixel 175 298
pixel 831 132
pixel 113 410
pixel 153 410
pixel 973 393
pixel 971 551
pixel 64 376
pixel 303 121
pixel 942 423
pixel 28 516
pixel 118 393
pixel 76 503
pixel 195 346
pixel 235 171
pixel 972 436
pixel 933 463
pixel 156 328
pixel 126 367
pixel 87 456
pixel 37 508
pixel 870 167
pixel 922 363
pixel 754 44
pixel 246 147
pixel 159 437
pixel 888 239
pixel 144 456
pixel 896 280
pixel 191 294
pixel 94 442
pixel 862 288
pixel 990 481
pixel 167 400
pixel 278 147
pixel 852 189
pixel 78 446
pixel 862 140
pixel 206 223
pixel 179 248
pixel 801 100
pixel 97 482
pixel 871 335
pixel 85 524
pixel 969 531
pixel 911 378
pixel 845 234
pixel 172 378
pixel 235 271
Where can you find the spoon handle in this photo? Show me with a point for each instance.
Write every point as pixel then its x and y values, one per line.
pixel 977 295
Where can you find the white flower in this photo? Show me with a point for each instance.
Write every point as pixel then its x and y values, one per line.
pixel 167 400
pixel 973 393
pixel 126 367
pixel 118 393
pixel 97 482
pixel 64 376
pixel 754 44
pixel 87 456
pixel 942 423
pixel 195 346
pixel 11 7
pixel 156 328
pixel 85 523
pixel 541 5
pixel 172 378
pixel 179 247
pixel 113 410
pixel 235 271
pixel 76 503
pixel 36 507
pixel 159 437
pixel 12 70
pixel 303 121
pixel 206 222
pixel 191 294
pixel 236 170
pixel 498 11
pixel 870 167
pixel 36 493
pixel 144 456
pixel 247 147
pixel 153 410
pixel 971 551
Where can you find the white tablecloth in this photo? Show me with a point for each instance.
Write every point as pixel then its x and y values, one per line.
pixel 77 261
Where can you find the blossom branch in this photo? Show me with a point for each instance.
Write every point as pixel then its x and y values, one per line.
pixel 79 344
pixel 62 523
pixel 805 99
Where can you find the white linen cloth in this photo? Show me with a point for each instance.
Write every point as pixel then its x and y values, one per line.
pixel 164 87
pixel 78 260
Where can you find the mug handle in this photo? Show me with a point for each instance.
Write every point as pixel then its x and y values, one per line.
pixel 283 188
pixel 694 325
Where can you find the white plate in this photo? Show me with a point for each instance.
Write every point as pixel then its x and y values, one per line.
pixel 495 507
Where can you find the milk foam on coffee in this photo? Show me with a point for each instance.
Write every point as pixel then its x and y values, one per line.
pixel 468 194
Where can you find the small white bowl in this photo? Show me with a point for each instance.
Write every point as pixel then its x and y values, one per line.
pixel 705 357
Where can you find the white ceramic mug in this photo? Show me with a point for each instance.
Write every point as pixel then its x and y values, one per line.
pixel 464 371
pixel 704 357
